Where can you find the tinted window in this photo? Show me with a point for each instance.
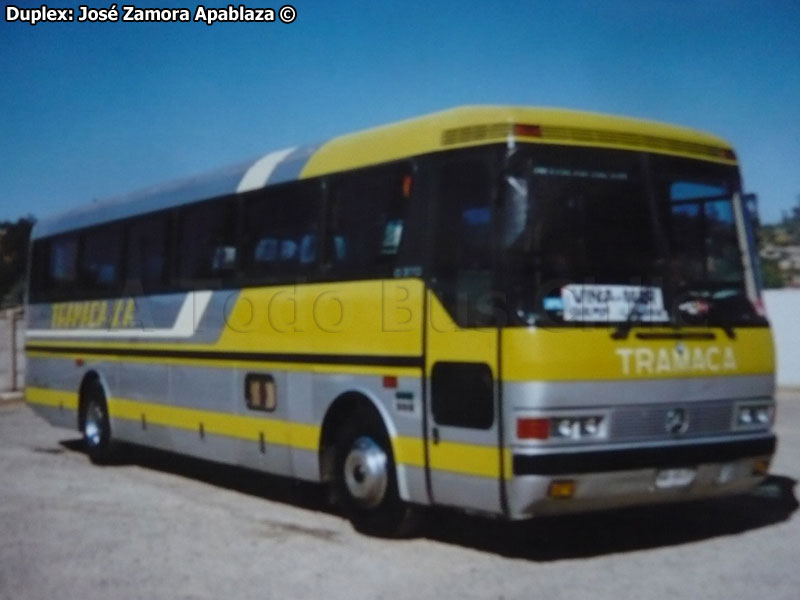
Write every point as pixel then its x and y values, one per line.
pixel 366 220
pixel 63 263
pixel 463 394
pixel 281 229
pixel 100 261
pixel 40 270
pixel 147 253
pixel 207 234
pixel 463 252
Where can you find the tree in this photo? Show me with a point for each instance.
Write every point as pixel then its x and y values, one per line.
pixel 14 245
pixel 771 274
pixel 791 222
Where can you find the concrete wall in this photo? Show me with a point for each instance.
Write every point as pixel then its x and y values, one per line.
pixel 12 344
pixel 783 309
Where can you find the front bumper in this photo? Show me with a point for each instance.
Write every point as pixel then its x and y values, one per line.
pixel 616 477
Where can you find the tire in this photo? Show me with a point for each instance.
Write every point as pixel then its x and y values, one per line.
pixel 366 480
pixel 96 426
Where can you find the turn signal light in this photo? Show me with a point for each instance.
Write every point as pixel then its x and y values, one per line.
pixel 536 429
pixel 761 467
pixel 561 490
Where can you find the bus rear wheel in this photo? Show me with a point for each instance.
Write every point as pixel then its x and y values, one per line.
pixel 96 425
pixel 366 480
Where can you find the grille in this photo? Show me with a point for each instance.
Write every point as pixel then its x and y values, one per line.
pixel 476 133
pixel 648 422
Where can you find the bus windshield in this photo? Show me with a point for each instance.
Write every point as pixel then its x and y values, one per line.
pixel 590 235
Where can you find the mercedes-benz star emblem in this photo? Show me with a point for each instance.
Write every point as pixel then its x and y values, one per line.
pixel 677 421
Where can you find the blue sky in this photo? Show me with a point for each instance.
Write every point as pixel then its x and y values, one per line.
pixel 94 110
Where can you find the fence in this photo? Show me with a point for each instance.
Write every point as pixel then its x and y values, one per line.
pixel 12 356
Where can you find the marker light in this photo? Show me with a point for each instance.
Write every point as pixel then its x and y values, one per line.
pixel 527 130
pixel 407 186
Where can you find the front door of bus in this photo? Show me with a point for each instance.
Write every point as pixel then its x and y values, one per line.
pixel 461 344
pixel 464 456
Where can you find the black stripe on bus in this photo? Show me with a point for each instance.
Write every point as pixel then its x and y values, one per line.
pixel 662 457
pixel 280 357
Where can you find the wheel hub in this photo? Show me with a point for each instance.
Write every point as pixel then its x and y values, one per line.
pixel 365 472
pixel 93 425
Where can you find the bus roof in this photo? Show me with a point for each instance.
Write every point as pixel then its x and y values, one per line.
pixel 455 128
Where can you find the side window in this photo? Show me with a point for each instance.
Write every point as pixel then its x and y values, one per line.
pixel 463 248
pixel 147 263
pixel 100 260
pixel 366 219
pixel 281 231
pixel 63 263
pixel 704 236
pixel 207 240
pixel 40 271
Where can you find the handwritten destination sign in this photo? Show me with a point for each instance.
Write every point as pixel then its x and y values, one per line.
pixel 613 303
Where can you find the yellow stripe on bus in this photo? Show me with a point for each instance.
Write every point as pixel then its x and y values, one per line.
pixel 298 435
pixel 455 457
pixel 466 459
pixel 47 397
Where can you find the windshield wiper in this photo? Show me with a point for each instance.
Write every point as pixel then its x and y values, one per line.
pixel 623 330
pixel 709 306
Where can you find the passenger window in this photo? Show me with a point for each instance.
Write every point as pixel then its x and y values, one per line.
pixel 147 253
pixel 40 271
pixel 207 241
pixel 366 219
pixel 63 262
pixel 282 231
pixel 100 262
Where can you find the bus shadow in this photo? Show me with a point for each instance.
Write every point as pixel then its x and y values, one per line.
pixel 542 540
pixel 622 530
pixel 275 488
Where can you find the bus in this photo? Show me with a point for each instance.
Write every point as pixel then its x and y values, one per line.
pixel 511 311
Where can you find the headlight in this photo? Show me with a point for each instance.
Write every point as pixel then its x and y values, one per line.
pixel 578 428
pixel 754 415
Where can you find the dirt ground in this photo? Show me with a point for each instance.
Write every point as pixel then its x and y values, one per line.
pixel 161 526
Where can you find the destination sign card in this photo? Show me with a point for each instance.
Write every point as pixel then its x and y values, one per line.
pixel 613 303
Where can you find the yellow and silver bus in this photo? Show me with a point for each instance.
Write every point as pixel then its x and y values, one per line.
pixel 511 311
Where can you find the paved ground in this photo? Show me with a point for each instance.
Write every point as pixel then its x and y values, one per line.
pixel 168 527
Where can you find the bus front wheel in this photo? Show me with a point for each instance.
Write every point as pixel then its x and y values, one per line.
pixel 366 480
